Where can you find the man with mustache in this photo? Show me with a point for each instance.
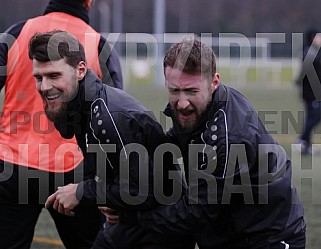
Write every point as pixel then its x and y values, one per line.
pixel 115 133
pixel 240 189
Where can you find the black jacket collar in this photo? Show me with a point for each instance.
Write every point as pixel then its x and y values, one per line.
pixel 219 99
pixel 69 7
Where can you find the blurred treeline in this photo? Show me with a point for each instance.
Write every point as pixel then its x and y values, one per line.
pixel 246 17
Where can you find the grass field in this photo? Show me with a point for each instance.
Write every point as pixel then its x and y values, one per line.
pixel 276 106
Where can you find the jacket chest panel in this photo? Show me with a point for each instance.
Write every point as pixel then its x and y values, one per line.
pixel 214 142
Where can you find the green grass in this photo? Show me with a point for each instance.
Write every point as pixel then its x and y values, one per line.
pixel 272 103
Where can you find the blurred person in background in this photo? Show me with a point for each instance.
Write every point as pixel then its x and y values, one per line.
pixel 309 82
pixel 34 159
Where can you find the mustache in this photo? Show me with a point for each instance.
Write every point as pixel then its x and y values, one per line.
pixel 185 112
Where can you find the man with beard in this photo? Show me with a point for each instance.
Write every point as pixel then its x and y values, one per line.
pixel 115 133
pixel 240 189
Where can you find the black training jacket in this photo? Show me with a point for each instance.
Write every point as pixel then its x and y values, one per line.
pixel 111 127
pixel 240 187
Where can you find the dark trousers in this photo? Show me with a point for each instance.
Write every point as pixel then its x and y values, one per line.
pixel 313 117
pixel 126 236
pixel 23 192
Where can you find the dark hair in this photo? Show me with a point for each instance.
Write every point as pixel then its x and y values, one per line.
pixel 68 1
pixel 56 45
pixel 191 56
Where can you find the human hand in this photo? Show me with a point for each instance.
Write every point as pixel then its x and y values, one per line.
pixel 111 215
pixel 64 199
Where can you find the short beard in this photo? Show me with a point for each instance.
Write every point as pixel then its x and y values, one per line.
pixel 196 124
pixel 179 125
pixel 55 116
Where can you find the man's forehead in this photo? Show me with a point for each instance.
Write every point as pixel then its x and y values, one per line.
pixel 55 63
pixel 177 77
pixel 48 67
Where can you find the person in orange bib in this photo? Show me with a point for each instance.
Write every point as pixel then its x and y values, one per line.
pixel 34 158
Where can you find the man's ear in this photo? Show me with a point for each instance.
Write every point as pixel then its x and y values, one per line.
pixel 81 70
pixel 216 82
pixel 88 4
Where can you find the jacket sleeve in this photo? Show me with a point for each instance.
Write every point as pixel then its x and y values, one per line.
pixel 207 202
pixel 110 64
pixel 199 206
pixel 129 182
pixel 7 39
pixel 181 217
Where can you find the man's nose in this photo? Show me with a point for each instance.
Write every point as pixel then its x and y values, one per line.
pixel 182 103
pixel 45 85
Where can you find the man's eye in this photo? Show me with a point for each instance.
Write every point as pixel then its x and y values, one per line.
pixel 38 78
pixel 173 90
pixel 54 76
pixel 192 91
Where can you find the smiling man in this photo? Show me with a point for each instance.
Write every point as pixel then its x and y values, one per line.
pixel 115 134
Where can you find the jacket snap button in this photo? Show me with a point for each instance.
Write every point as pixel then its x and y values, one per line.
pixel 214 128
pixel 96 109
